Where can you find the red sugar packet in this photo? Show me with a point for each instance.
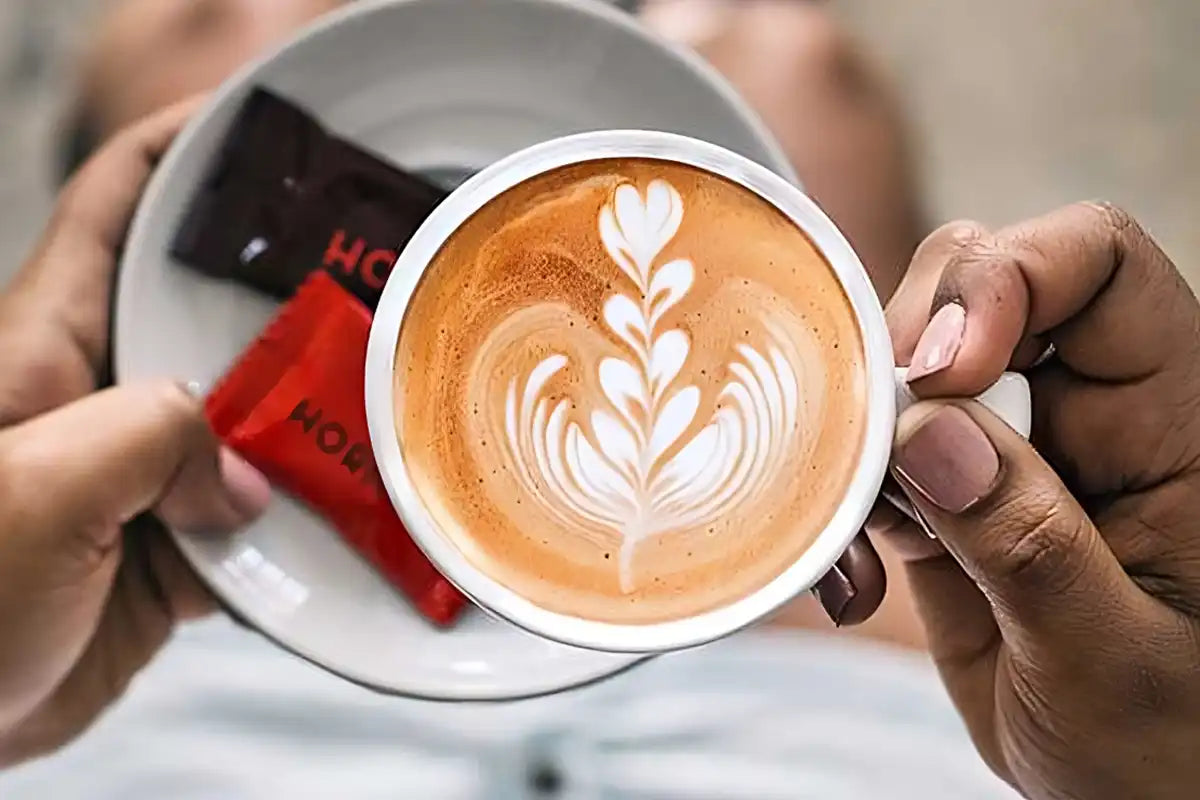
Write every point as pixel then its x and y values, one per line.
pixel 293 406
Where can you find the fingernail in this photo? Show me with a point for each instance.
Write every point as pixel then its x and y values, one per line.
pixel 248 490
pixel 939 344
pixel 885 517
pixel 834 592
pixel 948 460
pixel 892 492
pixel 1046 355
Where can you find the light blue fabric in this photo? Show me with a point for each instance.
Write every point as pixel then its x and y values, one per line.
pixel 222 715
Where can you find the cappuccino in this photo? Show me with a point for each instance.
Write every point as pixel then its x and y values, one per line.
pixel 630 391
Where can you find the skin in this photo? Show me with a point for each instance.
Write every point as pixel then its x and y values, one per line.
pixel 193 45
pixel 90 586
pixel 1063 606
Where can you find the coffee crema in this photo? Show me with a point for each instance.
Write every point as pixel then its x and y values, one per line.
pixel 630 390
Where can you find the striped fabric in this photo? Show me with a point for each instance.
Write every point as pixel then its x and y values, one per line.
pixel 222 715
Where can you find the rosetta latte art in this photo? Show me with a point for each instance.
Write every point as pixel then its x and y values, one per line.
pixel 630 391
pixel 632 468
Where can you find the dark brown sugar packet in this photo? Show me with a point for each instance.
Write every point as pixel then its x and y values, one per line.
pixel 283 198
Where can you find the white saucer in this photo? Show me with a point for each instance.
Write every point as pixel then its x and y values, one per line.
pixel 431 84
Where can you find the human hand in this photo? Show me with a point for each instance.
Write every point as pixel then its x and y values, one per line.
pixel 85 598
pixel 1064 609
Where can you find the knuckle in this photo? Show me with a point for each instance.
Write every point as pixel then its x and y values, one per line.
pixel 797 35
pixel 818 36
pixel 1115 218
pixel 174 405
pixel 960 233
pixel 1124 233
pixel 981 269
pixel 964 244
pixel 983 250
pixel 1043 542
pixel 946 243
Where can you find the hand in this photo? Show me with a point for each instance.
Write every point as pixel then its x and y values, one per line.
pixel 1064 611
pixel 85 599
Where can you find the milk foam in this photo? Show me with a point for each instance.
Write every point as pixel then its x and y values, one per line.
pixel 614 471
pixel 626 430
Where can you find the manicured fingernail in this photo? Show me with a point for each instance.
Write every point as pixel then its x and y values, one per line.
pixel 834 592
pixel 948 460
pixel 940 342
pixel 1046 355
pixel 892 492
pixel 248 490
pixel 885 517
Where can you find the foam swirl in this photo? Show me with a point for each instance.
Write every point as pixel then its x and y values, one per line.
pixel 633 468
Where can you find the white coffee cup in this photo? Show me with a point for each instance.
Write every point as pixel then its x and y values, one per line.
pixel 885 392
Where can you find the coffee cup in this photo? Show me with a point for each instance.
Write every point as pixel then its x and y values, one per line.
pixel 632 392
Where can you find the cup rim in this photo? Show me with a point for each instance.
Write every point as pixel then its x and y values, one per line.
pixel 506 603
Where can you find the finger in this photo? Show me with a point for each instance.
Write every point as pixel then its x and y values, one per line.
pixel 909 309
pixel 853 590
pixel 68 279
pixel 1131 464
pixel 153 591
pixel 222 498
pixel 71 480
pixel 85 469
pixel 173 583
pixel 960 629
pixel 1105 437
pixel 97 204
pixel 1086 277
pixel 1055 588
pixel 958 621
pixel 902 528
pixel 1153 536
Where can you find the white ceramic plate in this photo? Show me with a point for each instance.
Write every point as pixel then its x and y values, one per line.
pixel 431 84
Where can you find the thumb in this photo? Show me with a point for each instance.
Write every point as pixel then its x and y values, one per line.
pixel 1052 581
pixel 87 468
pixel 69 480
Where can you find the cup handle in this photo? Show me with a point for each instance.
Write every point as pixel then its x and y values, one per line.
pixel 1008 398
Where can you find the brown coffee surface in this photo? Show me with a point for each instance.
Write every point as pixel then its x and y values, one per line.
pixel 630 391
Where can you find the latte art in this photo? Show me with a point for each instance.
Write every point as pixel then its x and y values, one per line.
pixel 630 391
pixel 634 469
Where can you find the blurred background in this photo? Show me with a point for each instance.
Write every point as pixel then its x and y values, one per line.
pixel 1017 106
